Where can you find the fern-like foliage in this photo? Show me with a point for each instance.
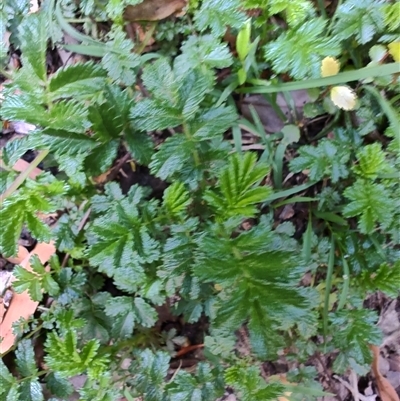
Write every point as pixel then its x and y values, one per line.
pixel 246 380
pixel 22 208
pixel 386 279
pixel 370 201
pixel 120 244
pixel 295 11
pixel 64 356
pixel 354 330
pixel 303 61
pixel 360 20
pixel 254 272
pixel 328 159
pixel 372 162
pixel 218 15
pixel 239 188
pixel 120 61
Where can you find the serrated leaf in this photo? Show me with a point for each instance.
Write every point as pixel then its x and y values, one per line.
pixel 23 207
pixel 146 314
pixel 371 161
pixel 213 122
pixel 31 390
pixel 151 370
pixel 59 386
pixel 109 118
pixel 371 203
pixel 302 61
pixel 205 51
pixel 139 144
pixel 238 191
pixel 77 80
pixel 218 15
pixel 354 330
pixel 27 281
pixel 6 379
pixel 385 279
pixel 119 61
pixel 33 34
pixel 23 107
pixel 327 159
pixel 172 155
pixel 176 198
pixel 361 20
pixel 26 358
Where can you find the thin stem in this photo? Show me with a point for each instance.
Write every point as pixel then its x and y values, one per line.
pixel 24 175
pixel 5 74
pixel 189 137
pixel 321 6
pixel 328 286
pixel 147 38
pixel 329 127
pixel 333 18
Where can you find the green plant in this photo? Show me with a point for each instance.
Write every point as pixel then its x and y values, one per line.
pixel 211 242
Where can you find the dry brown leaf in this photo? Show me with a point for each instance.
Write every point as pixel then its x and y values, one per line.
pixel 154 10
pixel 21 255
pixel 22 165
pixel 21 304
pixel 386 390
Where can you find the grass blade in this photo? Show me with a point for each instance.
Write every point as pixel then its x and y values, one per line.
pixel 341 78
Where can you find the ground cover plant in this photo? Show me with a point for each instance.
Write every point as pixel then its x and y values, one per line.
pixel 220 182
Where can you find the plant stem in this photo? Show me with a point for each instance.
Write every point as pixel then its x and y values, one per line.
pixel 321 6
pixel 195 153
pixel 328 285
pixel 24 175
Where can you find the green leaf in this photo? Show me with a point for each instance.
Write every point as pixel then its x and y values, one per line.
pixel 361 20
pixel 23 207
pixel 302 61
pixel 28 281
pixel 205 51
pixel 203 386
pixel 175 98
pixel 296 11
pixel 6 379
pixel 328 159
pixel 176 199
pixel 33 34
pixel 238 191
pixel 139 144
pixel 218 15
pixel 26 358
pixel 150 372
pixel 250 386
pixel 386 279
pixel 120 245
pixel 77 80
pixel 213 122
pixel 64 356
pixel 109 118
pixel 119 60
pixel 59 386
pixel 371 202
pixel 372 162
pixel 353 331
pixel 31 390
pixel 174 153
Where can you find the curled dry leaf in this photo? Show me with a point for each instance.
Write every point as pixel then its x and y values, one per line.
pixel 386 390
pixel 21 304
pixel 21 255
pixel 154 10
